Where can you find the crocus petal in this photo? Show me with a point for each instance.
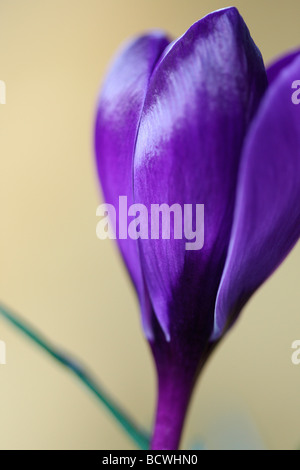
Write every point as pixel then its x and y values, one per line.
pixel 201 98
pixel 274 69
pixel 118 115
pixel 267 217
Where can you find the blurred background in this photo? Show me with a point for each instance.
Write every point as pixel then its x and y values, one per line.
pixel 72 286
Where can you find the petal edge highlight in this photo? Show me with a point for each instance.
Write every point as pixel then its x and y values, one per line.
pixel 267 217
pixel 200 101
pixel 116 126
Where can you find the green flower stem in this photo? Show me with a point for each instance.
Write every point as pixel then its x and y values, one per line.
pixel 137 435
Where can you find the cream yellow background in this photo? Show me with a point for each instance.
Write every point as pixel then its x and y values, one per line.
pixel 53 55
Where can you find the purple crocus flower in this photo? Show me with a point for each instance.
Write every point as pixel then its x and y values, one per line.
pixel 200 120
